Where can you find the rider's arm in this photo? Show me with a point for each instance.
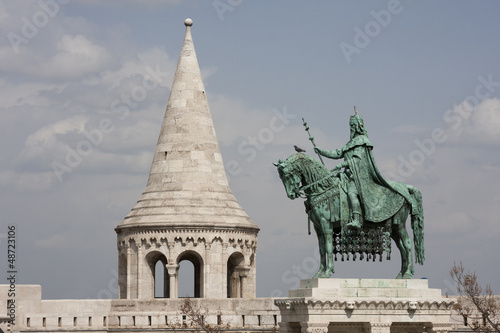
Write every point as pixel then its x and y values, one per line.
pixel 344 164
pixel 335 154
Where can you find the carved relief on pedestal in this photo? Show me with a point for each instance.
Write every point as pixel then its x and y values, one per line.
pixel 380 327
pixel 440 328
pixel 314 327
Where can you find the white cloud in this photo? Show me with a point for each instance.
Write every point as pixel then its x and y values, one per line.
pixel 76 56
pixel 239 121
pixel 46 140
pixel 153 64
pixel 475 125
pixel 133 137
pixel 28 181
pixel 26 92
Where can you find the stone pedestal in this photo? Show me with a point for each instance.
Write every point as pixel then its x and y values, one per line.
pixel 364 306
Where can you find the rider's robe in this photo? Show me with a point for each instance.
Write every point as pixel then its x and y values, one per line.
pixel 379 198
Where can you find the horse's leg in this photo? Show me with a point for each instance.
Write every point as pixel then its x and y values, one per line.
pixel 322 251
pixel 400 222
pixel 397 239
pixel 408 244
pixel 328 230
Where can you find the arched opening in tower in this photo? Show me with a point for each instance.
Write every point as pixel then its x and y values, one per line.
pixel 196 272
pixel 186 279
pixel 160 283
pixel 234 279
pixel 161 286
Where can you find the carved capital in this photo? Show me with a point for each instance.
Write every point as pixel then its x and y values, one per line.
pixel 172 269
pixel 242 271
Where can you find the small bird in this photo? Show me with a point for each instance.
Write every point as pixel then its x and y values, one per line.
pixel 299 150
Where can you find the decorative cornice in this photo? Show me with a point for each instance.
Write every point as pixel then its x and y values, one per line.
pixel 157 238
pixel 388 304
pixel 123 231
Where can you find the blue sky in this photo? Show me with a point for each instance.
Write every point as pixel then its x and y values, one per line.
pixel 425 76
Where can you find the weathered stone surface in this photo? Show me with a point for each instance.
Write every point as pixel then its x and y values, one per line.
pixel 379 305
pixel 187 159
pixel 35 314
pixel 187 211
pixel 364 288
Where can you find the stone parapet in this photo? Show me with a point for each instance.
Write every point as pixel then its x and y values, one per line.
pixel 105 315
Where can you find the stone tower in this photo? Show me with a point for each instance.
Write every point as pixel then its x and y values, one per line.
pixel 187 211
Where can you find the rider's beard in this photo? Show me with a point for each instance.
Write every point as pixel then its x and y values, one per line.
pixel 355 130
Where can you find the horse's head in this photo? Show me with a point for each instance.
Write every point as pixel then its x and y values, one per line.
pixel 302 175
pixel 290 178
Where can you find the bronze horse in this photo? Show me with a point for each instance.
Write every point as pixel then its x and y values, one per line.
pixel 303 176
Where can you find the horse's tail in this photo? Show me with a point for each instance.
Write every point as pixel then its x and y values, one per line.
pixel 417 224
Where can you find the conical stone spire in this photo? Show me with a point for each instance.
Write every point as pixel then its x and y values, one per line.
pixel 187 211
pixel 187 184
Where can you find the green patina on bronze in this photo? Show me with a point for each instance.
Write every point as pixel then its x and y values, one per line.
pixel 355 211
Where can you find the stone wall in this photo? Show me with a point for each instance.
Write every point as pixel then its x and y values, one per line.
pixel 34 314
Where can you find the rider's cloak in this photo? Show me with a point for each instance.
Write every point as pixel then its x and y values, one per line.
pixel 379 198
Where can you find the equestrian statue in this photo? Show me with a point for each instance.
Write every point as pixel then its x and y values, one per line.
pixel 353 209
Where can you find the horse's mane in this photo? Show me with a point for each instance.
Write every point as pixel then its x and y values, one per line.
pixel 314 173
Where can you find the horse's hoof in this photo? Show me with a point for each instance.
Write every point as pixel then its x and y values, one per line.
pixel 400 276
pixel 327 274
pixel 319 274
pixel 407 276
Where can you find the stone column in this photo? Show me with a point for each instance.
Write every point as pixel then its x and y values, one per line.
pixel 307 327
pixel 380 327
pixel 129 272
pixel 172 272
pixel 222 293
pixel 140 278
pixel 234 284
pixel 132 270
pixel 206 271
pixel 243 274
pixel 170 254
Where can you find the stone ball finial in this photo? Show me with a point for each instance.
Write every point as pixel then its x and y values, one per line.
pixel 188 22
